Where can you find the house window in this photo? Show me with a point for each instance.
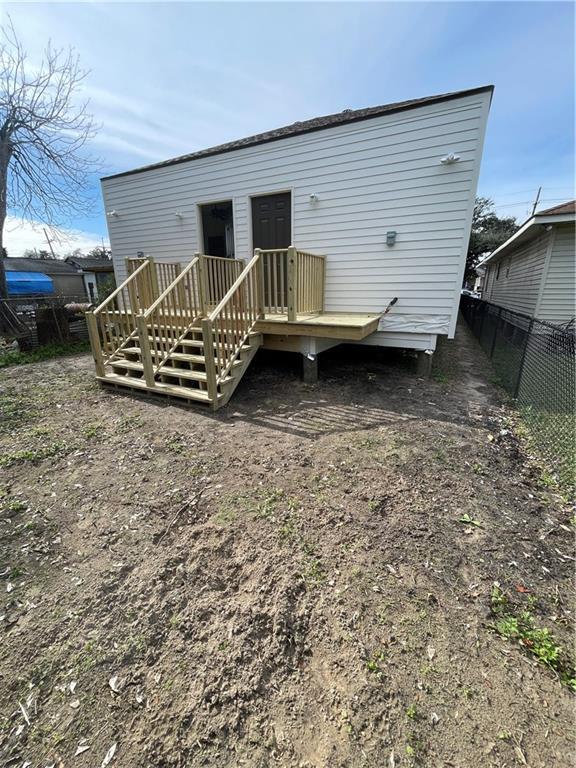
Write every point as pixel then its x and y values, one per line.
pixel 508 267
pixel 497 270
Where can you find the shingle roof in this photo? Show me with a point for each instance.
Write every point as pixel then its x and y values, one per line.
pixel 91 264
pixel 47 266
pixel 559 210
pixel 307 126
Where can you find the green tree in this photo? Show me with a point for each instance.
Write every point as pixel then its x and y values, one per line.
pixel 488 232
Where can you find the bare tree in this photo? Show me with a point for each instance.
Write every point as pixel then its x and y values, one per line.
pixel 44 168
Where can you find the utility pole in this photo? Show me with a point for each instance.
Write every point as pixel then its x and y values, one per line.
pixel 536 201
pixel 49 243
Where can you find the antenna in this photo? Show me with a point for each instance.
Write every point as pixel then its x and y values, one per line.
pixel 536 201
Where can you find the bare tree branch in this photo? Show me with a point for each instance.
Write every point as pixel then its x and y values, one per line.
pixel 44 129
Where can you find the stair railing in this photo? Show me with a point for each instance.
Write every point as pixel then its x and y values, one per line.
pixel 228 326
pixel 112 325
pixel 163 325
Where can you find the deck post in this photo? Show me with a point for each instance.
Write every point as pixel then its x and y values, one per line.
pixel 310 369
pixel 202 284
pixel 424 364
pixel 292 279
pixel 209 364
pixel 260 283
pixel 145 353
pixel 95 344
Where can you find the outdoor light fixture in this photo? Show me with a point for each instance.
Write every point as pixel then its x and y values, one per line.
pixel 449 159
pixel 113 214
pixel 179 215
pixel 391 238
pixel 314 197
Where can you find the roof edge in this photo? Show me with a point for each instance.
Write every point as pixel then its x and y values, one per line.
pixel 224 149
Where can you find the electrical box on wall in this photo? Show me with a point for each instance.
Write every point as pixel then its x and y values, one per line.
pixel 390 238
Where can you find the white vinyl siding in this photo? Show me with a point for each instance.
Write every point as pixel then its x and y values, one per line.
pixel 559 295
pixel 370 177
pixel 519 289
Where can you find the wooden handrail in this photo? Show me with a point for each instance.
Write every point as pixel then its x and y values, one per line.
pixel 171 287
pixel 121 287
pixel 234 287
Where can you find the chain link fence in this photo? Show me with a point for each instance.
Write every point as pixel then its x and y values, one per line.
pixel 535 362
pixel 34 322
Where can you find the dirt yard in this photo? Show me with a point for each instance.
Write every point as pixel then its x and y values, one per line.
pixel 306 578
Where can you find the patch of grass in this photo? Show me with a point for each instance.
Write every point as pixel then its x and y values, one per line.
pixel 43 353
pixel 93 430
pixel 519 626
pixel 441 377
pixel 33 455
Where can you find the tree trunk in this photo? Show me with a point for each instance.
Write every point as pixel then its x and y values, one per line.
pixel 5 155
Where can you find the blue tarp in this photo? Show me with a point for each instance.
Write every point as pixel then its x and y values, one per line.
pixel 29 284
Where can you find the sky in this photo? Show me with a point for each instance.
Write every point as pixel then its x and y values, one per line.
pixel 170 78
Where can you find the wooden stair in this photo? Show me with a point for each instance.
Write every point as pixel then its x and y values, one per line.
pixel 183 374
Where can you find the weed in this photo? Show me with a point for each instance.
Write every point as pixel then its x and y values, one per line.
pixel 478 469
pixel 14 506
pixel 469 520
pixel 314 573
pixel 374 663
pixel 412 712
pixel 520 626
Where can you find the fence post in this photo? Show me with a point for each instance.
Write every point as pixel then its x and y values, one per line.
pixel 292 279
pixel 202 284
pixel 209 364
pixel 95 344
pixel 524 350
pixel 260 282
pixel 145 353
pixel 495 333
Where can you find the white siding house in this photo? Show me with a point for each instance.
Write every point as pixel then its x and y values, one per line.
pixel 353 179
pixel 534 271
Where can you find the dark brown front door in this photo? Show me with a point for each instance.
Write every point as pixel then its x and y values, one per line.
pixel 271 226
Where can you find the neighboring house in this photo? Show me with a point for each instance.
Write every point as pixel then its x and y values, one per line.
pixel 97 273
pixel 386 194
pixel 43 278
pixel 533 272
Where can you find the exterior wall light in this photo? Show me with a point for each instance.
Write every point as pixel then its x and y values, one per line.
pixel 391 238
pixel 179 215
pixel 314 197
pixel 113 214
pixel 450 159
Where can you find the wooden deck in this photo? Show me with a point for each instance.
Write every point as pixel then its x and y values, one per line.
pixel 353 326
pixel 190 332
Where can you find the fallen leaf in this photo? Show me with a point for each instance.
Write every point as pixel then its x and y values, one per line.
pixel 114 683
pixel 430 652
pixel 521 588
pixel 81 748
pixel 109 756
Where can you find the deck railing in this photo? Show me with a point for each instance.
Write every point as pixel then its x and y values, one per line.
pixel 310 279
pixel 293 282
pixel 228 326
pixel 112 325
pixel 219 274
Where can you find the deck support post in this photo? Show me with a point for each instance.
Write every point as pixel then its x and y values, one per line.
pixel 95 343
pixel 202 285
pixel 310 369
pixel 424 363
pixel 292 279
pixel 145 353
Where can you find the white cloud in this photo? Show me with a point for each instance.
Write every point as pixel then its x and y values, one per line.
pixel 21 235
